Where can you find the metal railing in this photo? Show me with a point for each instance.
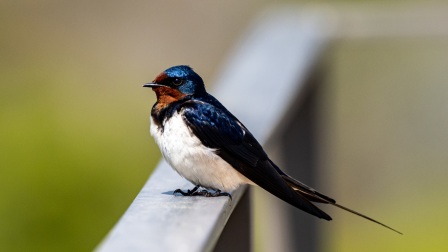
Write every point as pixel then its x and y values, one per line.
pixel 270 82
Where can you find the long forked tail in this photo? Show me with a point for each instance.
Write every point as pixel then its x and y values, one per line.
pixel 313 195
pixel 365 217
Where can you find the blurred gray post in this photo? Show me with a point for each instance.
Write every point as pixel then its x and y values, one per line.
pixel 237 234
pixel 297 151
pixel 300 158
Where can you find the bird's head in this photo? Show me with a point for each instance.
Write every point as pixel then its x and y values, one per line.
pixel 176 83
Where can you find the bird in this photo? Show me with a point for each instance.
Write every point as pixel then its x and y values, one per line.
pixel 208 146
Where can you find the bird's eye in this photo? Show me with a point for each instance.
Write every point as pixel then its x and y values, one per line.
pixel 178 81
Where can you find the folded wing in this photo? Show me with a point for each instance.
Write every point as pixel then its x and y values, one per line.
pixel 220 130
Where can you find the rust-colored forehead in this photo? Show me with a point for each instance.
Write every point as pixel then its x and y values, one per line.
pixel 160 77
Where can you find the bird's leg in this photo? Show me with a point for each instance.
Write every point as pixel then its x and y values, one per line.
pixel 188 193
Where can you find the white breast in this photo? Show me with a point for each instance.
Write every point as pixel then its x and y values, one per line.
pixel 192 160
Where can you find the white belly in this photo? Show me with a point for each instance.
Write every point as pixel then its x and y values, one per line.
pixel 192 160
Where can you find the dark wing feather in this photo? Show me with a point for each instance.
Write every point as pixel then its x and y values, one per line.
pixel 218 129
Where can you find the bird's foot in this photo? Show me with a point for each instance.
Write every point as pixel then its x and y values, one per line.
pixel 219 193
pixel 215 194
pixel 188 193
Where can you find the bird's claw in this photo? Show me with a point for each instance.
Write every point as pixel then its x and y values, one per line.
pixel 219 193
pixel 181 192
pixel 188 193
pixel 205 193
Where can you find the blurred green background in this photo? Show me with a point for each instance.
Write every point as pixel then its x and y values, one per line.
pixel 75 147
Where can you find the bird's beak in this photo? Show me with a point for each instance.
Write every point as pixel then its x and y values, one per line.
pixel 152 85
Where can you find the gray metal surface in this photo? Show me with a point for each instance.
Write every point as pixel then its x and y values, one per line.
pixel 260 81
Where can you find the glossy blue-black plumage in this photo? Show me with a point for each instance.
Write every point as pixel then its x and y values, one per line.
pixel 193 83
pixel 207 115
pixel 218 129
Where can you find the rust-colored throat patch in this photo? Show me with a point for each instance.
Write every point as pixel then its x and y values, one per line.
pixel 166 95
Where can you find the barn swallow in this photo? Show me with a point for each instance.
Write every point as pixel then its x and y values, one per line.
pixel 207 145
